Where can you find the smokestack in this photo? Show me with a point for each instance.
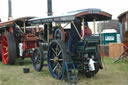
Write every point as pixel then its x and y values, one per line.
pixel 9 10
pixel 49 4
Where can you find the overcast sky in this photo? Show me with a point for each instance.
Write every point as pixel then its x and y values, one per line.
pixel 21 8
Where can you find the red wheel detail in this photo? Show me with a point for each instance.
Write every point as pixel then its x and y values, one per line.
pixel 8 49
pixel 4 49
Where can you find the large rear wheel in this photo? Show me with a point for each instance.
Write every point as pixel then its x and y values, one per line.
pixel 8 48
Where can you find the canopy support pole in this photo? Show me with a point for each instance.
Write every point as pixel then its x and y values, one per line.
pixel 83 28
pixel 94 25
pixel 24 27
pixel 37 28
pixel 48 32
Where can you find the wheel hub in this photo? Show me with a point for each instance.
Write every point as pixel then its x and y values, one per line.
pixel 55 59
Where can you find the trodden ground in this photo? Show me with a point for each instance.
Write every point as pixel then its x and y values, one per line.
pixel 112 74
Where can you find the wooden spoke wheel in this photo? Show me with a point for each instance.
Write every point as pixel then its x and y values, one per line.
pixel 8 49
pixel 56 54
pixel 59 34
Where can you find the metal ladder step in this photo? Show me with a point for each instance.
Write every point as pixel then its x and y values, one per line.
pixel 70 71
pixel 72 77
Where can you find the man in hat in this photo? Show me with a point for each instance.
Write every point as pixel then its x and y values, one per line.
pixel 87 30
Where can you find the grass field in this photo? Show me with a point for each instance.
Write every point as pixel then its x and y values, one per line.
pixel 112 74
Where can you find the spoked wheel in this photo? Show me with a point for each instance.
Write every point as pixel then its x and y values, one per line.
pixel 58 34
pixel 37 59
pixel 8 48
pixel 56 54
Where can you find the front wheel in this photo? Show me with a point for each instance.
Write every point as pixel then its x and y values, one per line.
pixel 37 59
pixel 89 74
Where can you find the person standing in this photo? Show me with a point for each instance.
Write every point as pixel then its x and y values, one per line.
pixel 74 37
pixel 87 30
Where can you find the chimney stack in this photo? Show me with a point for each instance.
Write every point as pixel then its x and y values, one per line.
pixel 49 4
pixel 9 10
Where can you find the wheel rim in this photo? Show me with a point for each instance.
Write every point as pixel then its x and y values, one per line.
pixel 98 55
pixel 58 34
pixel 4 49
pixel 36 59
pixel 55 60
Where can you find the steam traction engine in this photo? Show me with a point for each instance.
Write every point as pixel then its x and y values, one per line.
pixel 87 47
pixel 17 39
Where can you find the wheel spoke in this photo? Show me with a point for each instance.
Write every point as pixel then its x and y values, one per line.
pixel 55 67
pixel 58 69
pixel 52 59
pixel 59 53
pixel 60 65
pixel 5 47
pixel 60 59
pixel 57 49
pixel 54 55
pixel 5 53
pixel 6 59
pixel 37 58
pixel 54 51
pixel 5 41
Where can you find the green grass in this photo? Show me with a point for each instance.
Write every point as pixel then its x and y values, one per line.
pixel 112 74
